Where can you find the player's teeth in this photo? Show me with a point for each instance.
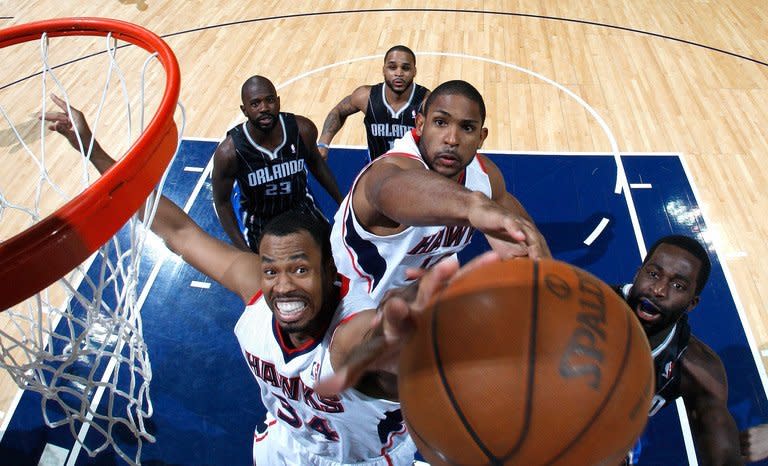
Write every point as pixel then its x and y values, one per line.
pixel 290 306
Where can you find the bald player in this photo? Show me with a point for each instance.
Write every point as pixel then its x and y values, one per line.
pixel 267 155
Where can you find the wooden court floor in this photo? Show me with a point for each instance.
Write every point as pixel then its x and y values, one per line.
pixel 662 75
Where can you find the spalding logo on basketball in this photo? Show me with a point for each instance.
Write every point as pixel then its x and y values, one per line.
pixel 526 362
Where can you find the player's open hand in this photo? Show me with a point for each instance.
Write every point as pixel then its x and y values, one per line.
pixel 67 126
pixel 392 324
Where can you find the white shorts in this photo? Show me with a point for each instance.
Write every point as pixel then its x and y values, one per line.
pixel 277 445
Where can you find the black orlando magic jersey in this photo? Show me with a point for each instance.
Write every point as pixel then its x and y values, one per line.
pixel 383 125
pixel 666 360
pixel 271 181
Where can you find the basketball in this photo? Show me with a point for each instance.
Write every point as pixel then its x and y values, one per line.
pixel 524 362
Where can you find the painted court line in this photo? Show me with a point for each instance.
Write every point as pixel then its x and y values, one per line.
pixel 641 185
pixel 596 232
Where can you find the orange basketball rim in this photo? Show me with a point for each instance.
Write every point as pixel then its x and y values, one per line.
pixel 35 258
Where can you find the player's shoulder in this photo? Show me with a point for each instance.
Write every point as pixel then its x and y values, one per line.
pixel 703 370
pixel 393 158
pixel 699 354
pixel 226 147
pixel 302 121
pixel 362 93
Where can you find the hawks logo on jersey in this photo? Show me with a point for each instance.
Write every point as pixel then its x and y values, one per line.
pixel 293 387
pixel 448 237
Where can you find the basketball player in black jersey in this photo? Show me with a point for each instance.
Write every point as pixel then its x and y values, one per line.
pixel 664 290
pixel 267 155
pixel 390 107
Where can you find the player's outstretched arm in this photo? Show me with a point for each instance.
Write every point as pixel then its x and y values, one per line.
pixel 222 180
pixel 400 189
pixel 371 341
pixel 316 162
pixel 351 104
pixel 754 443
pixel 705 391
pixel 234 269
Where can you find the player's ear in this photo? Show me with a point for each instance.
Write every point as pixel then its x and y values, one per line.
pixel 484 134
pixel 242 109
pixel 693 303
pixel 329 268
pixel 420 122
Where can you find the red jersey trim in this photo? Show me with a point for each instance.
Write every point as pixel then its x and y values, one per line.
pixel 481 163
pixel 291 351
pixel 255 298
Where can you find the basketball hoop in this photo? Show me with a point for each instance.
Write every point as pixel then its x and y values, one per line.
pixel 59 349
pixel 37 257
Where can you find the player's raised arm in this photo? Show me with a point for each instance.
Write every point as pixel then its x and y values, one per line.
pixel 349 105
pixel 401 190
pixel 234 269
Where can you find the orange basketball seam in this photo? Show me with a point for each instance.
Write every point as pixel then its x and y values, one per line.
pixel 496 460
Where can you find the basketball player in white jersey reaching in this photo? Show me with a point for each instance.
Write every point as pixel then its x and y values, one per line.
pixel 300 322
pixel 421 202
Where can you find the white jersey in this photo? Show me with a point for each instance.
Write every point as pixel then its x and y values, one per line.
pixel 350 428
pixel 378 263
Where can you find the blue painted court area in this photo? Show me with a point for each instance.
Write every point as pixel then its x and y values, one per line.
pixel 206 403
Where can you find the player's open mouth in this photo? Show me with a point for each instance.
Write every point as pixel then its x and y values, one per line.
pixel 289 310
pixel 647 311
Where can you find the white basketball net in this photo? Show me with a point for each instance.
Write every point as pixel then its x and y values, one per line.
pixel 79 343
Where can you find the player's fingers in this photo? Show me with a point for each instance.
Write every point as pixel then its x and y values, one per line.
pixel 358 362
pixel 507 249
pixel 434 281
pixel 515 227
pixel 397 321
pixel 59 101
pixel 415 273
pixel 54 116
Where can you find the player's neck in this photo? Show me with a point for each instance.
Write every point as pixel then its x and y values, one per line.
pixel 317 329
pixel 395 99
pixel 269 139
pixel 658 337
